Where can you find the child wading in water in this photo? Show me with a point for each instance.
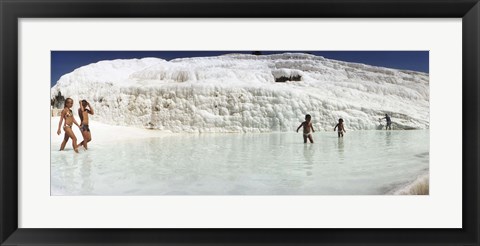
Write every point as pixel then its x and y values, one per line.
pixel 307 125
pixel 341 129
pixel 67 115
pixel 83 113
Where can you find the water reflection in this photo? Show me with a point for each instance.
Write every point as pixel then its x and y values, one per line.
pixel 341 148
pixel 308 153
pixel 250 164
pixel 86 172
pixel 388 138
pixel 69 173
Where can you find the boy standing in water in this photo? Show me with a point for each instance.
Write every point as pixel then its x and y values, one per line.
pixel 307 125
pixel 83 112
pixel 341 129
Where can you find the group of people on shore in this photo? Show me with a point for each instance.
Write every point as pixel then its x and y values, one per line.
pixel 307 126
pixel 68 120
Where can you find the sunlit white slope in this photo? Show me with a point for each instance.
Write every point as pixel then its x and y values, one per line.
pixel 239 93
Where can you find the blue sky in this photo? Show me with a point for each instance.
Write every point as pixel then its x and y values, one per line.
pixel 64 62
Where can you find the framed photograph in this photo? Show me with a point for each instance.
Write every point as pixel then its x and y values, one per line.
pixel 267 122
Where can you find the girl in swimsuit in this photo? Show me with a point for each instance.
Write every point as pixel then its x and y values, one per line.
pixel 83 113
pixel 67 115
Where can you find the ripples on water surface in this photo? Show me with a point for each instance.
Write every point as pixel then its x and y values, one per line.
pixel 363 162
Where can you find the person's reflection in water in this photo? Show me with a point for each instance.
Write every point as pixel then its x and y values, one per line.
pixel 341 149
pixel 70 180
pixel 388 139
pixel 308 152
pixel 63 169
pixel 86 175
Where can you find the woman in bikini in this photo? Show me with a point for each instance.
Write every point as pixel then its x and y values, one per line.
pixel 67 115
pixel 83 113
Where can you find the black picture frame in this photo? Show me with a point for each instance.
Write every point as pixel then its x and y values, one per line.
pixel 11 11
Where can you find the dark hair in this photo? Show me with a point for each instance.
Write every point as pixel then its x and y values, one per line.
pixel 84 102
pixel 308 116
pixel 340 120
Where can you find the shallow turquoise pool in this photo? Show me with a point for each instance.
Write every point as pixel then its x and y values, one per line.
pixel 361 163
